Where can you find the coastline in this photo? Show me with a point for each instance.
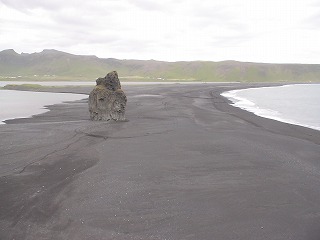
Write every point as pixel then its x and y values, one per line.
pixel 186 165
pixel 270 109
pixel 269 124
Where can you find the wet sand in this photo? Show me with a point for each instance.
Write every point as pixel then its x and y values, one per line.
pixel 186 165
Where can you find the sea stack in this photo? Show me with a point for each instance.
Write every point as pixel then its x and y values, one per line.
pixel 107 101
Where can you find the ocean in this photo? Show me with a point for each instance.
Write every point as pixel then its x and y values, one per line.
pixel 297 104
pixel 21 104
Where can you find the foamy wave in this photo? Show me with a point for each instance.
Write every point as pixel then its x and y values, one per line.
pixel 246 104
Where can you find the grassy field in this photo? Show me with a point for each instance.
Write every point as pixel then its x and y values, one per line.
pixel 52 65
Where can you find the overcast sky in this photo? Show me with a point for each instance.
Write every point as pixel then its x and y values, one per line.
pixel 275 31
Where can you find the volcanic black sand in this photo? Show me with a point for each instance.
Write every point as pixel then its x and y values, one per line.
pixel 186 165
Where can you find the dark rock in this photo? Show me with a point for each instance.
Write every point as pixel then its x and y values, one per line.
pixel 107 101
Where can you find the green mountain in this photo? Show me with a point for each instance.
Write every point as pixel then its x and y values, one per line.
pixel 57 65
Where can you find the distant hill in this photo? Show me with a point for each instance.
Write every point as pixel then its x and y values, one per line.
pixel 57 65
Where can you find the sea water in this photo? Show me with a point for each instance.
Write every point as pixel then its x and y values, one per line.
pixel 21 104
pixel 297 104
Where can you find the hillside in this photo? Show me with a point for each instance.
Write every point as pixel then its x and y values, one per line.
pixel 56 65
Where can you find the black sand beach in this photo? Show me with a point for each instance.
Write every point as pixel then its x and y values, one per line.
pixel 186 165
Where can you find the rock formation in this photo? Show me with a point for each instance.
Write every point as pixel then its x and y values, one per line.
pixel 107 101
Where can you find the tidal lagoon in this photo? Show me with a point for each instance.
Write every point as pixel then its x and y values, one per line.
pixel 21 104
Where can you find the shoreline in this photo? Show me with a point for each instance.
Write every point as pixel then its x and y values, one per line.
pixel 92 83
pixel 268 111
pixel 268 123
pixel 186 165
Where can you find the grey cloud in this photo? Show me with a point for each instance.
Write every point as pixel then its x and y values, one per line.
pixel 148 5
pixel 69 37
pixel 100 6
pixel 19 24
pixel 23 5
pixel 100 38
pixel 105 7
pixel 67 26
pixel 94 14
pixel 206 15
pixel 207 22
pixel 313 22
pixel 71 19
pixel 117 27
pixel 231 41
pixel 132 46
pixel 67 18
